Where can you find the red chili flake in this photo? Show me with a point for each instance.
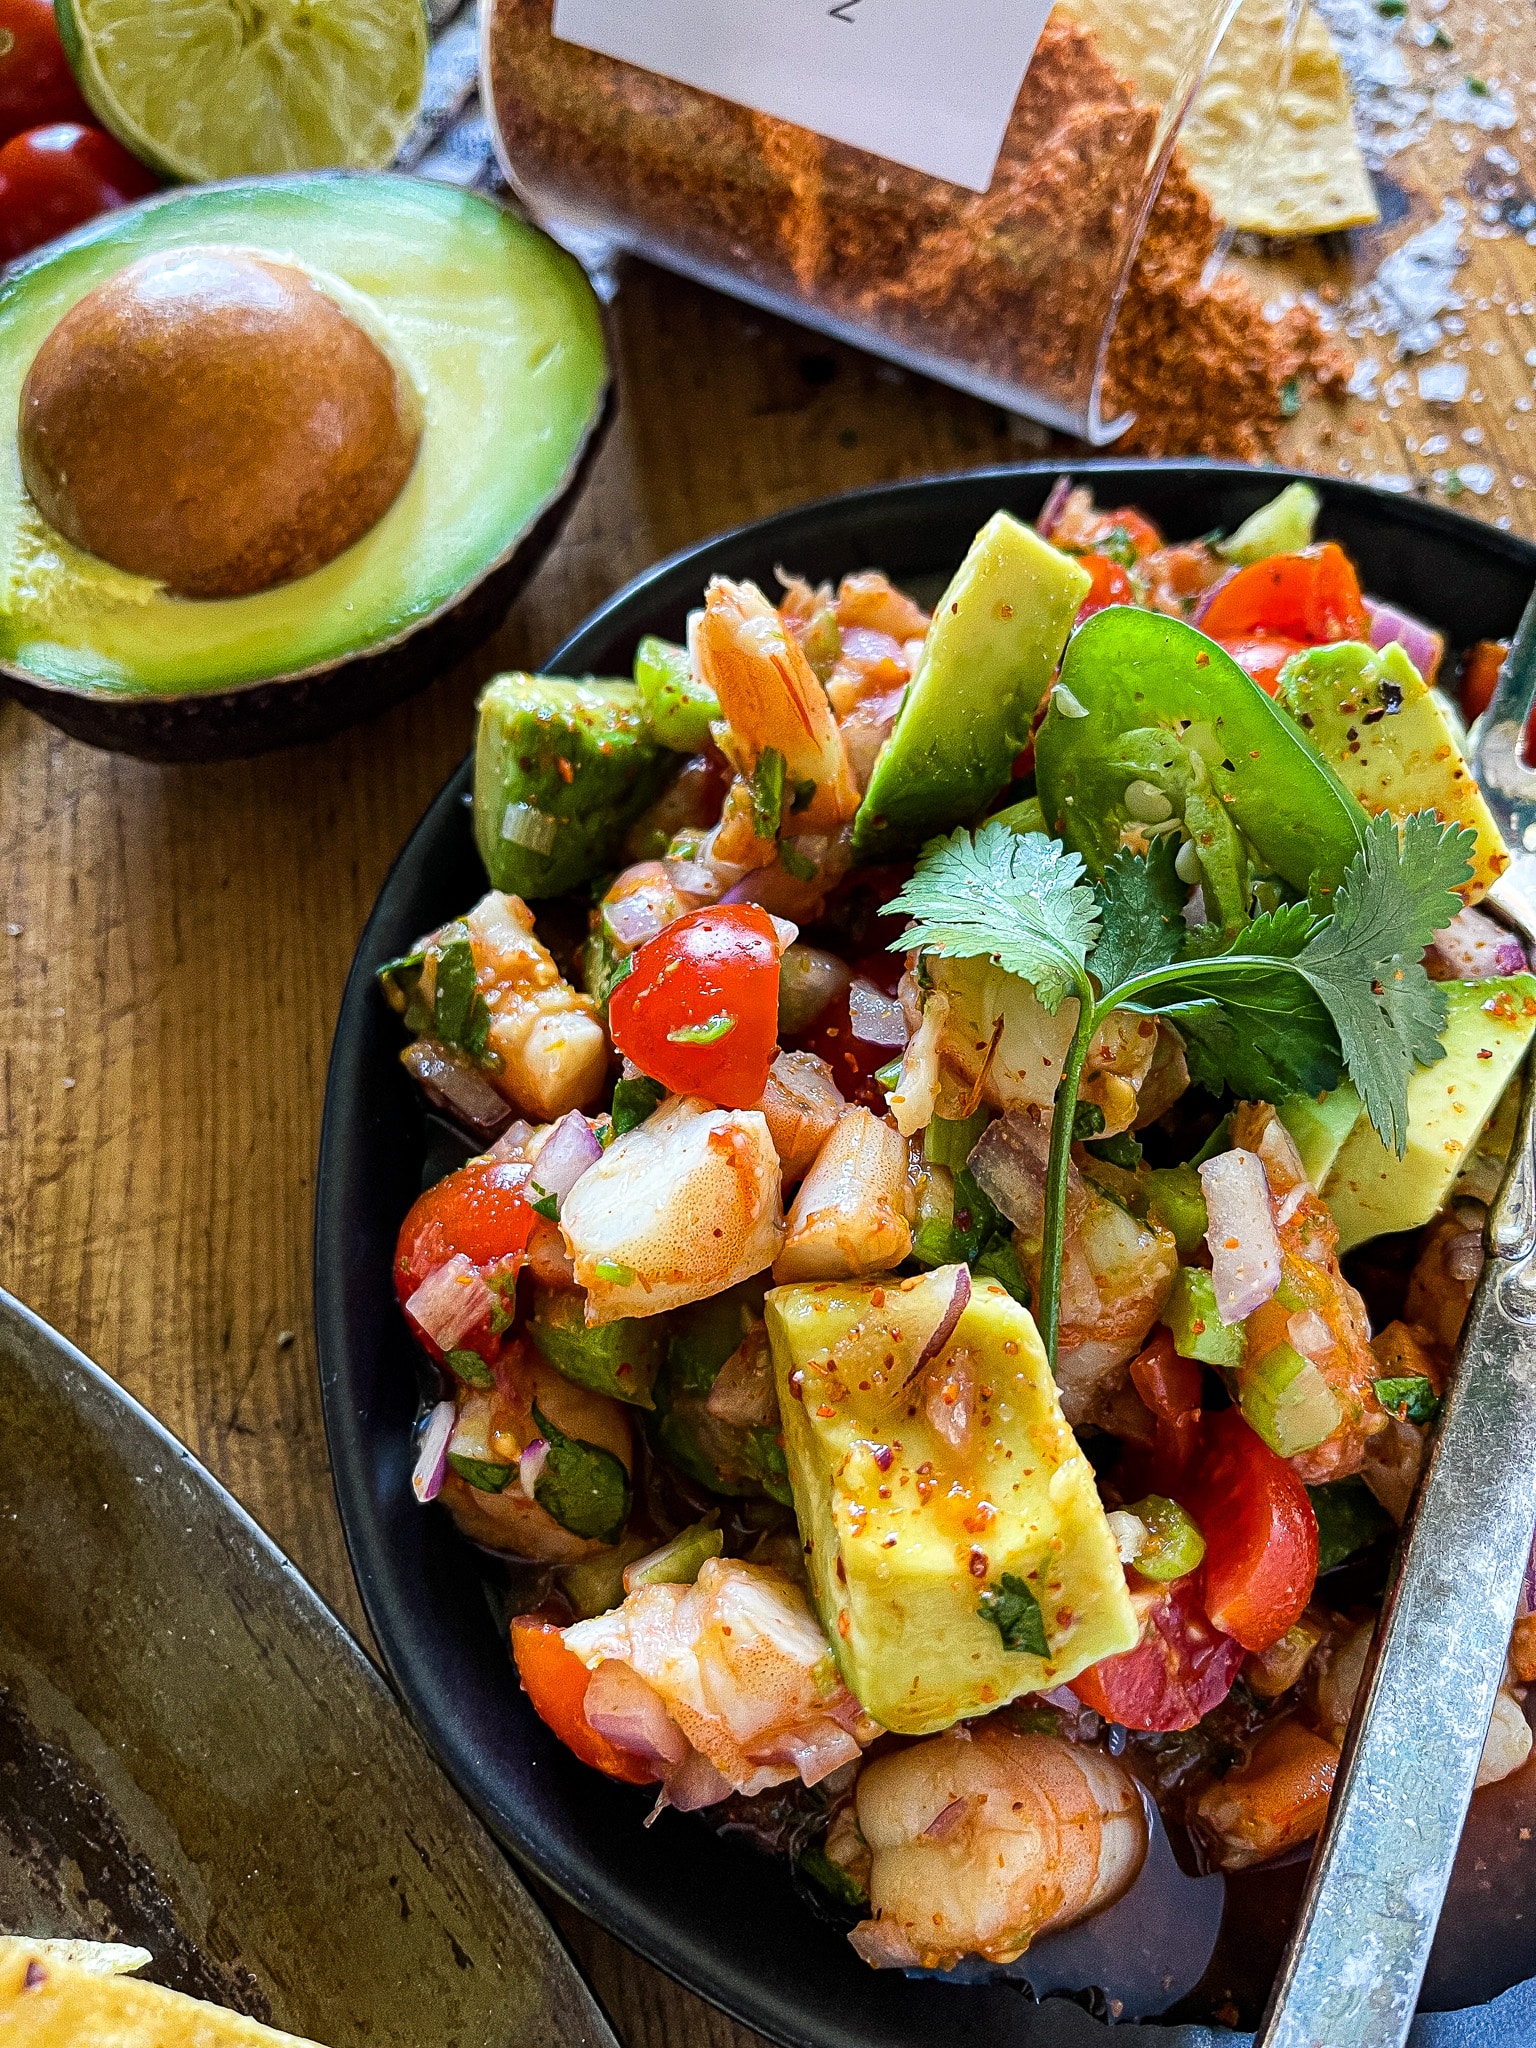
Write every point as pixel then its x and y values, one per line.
pixel 883 1456
pixel 826 1413
pixel 978 1564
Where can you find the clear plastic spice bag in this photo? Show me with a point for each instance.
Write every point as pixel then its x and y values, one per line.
pixel 1011 292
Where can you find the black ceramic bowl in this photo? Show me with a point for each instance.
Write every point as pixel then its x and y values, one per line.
pixel 726 1921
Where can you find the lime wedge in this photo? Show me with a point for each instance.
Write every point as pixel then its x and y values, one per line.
pixel 204 89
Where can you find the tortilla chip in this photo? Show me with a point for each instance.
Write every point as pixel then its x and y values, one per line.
pixel 47 2003
pixel 1306 176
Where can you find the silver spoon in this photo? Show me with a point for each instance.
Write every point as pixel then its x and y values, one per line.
pixel 1356 1960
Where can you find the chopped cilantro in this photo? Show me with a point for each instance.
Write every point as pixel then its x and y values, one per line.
pixel 818 1866
pixel 1478 87
pixel 584 1487
pixel 470 1367
pixel 633 1101
pixel 1411 1396
pixel 481 1474
pixel 1124 1150
pixel 795 863
pixel 615 1273
pixel 768 793
pixel 1000 1262
pixel 1014 1612
pixel 708 1033
pixel 1290 398
pixel 547 1206
pixel 1087 1122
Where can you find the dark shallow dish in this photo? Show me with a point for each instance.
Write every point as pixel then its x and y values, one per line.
pixel 197 1758
pixel 724 1920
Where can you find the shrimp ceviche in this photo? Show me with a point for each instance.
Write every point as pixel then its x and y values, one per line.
pixel 983 1122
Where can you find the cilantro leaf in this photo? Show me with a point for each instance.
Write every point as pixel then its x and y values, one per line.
pixel 1265 1040
pixel 1014 1612
pixel 1142 902
pixel 1016 898
pixel 1364 962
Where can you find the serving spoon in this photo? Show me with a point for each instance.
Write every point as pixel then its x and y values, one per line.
pixel 1351 1975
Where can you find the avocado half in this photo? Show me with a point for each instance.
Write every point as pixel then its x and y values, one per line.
pixel 502 337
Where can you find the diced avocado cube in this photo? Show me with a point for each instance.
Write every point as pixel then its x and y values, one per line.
pixel 561 768
pixel 1191 1314
pixel 909 1540
pixel 1286 1401
pixel 1370 1190
pixel 1319 1125
pixel 680 708
pixel 1282 527
pixel 1027 815
pixel 726 1457
pixel 1176 1201
pixel 996 637
pixel 618 1358
pixel 1379 725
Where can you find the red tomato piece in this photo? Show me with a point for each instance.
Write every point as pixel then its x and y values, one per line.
pixel 1260 1534
pixel 36 83
pixel 1263 657
pixel 1111 585
pixel 55 178
pixel 483 1211
pixel 1479 677
pixel 1173 1388
pixel 1311 597
pixel 1181 1668
pixel 699 1012
pixel 555 1680
pixel 855 1061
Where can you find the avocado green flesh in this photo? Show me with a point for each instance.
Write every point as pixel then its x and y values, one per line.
pixel 578 754
pixel 1369 1190
pixel 498 330
pixel 996 637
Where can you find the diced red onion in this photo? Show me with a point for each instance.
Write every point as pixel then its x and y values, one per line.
pixel 634 918
pixel 1208 597
pixel 432 1457
pixel 944 1328
pixel 1055 504
pixel 509 1147
pixel 450 1302
pixel 877 1019
pixel 815 1748
pixel 1423 646
pixel 694 1783
pixel 571 1147
pixel 1194 910
pixel 1474 947
pixel 884 1945
pixel 623 1708
pixel 945 1820
pixel 743 1394
pixel 531 1464
pixel 809 979
pixel 1309 1334
pixel 1289 1203
pixel 455 1084
pixel 773 889
pixel 1009 1161
pixel 525 826
pixel 1527 1601
pixel 694 878
pixel 1245 1252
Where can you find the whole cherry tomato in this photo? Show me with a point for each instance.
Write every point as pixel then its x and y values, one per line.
pixel 1181 1668
pixel 699 1011
pixel 555 1680
pixel 1263 656
pixel 36 83
pixel 1111 585
pixel 1260 1533
pixel 1311 597
pixel 855 1061
pixel 55 178
pixel 481 1211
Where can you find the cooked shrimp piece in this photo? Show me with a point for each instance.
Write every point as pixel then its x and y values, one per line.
pixel 915 1098
pixel 853 1212
pixel 982 1838
pixel 1508 1742
pixel 553 1049
pixel 496 1423
pixel 770 697
pixel 870 599
pixel 801 1106
pixel 680 1208
pixel 1279 1798
pixel 742 1670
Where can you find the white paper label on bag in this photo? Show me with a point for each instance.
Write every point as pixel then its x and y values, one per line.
pixel 926 83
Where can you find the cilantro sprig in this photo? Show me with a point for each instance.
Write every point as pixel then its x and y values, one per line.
pixel 1300 997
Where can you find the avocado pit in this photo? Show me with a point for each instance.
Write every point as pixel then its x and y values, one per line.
pixel 210 418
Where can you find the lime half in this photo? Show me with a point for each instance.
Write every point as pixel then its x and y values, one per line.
pixel 204 89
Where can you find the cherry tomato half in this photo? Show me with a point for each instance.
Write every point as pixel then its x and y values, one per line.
pixel 1111 585
pixel 555 1680
pixel 55 178
pixel 1260 1533
pixel 699 1012
pixel 1181 1668
pixel 1479 677
pixel 1172 1387
pixel 1311 597
pixel 481 1210
pixel 855 1061
pixel 1263 656
pixel 36 83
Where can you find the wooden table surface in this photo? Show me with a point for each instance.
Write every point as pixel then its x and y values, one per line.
pixel 173 941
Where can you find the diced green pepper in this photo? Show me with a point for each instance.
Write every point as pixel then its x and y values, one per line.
pixel 677 1563
pixel 1285 1398
pixel 949 1141
pixel 620 1358
pixel 726 1457
pixel 1195 1322
pixel 1174 1545
pixel 678 708
pixel 634 1101
pixel 584 1487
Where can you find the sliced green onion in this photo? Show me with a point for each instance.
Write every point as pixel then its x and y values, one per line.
pixel 615 1273
pixel 1198 1332
pixel 1174 1545
pixel 1285 1398
pixel 708 1033
pixel 677 1563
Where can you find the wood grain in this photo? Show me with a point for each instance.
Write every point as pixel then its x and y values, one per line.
pixel 175 939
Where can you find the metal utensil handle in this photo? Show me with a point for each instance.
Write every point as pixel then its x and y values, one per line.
pixel 1351 1977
